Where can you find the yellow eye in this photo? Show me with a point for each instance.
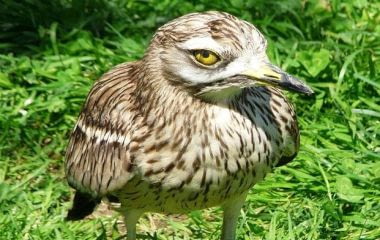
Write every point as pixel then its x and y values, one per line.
pixel 206 57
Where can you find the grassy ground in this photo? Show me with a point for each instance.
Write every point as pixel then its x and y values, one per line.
pixel 51 53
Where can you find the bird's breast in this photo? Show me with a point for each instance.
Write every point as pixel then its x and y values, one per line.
pixel 202 159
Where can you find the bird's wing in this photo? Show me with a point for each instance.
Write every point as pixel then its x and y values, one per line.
pixel 97 158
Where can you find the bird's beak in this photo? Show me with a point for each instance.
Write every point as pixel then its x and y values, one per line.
pixel 269 74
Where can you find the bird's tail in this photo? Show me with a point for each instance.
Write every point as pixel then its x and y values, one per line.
pixel 83 205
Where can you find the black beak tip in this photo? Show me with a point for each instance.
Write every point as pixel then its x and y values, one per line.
pixel 297 87
pixel 309 92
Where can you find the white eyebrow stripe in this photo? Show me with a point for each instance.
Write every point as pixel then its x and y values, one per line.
pixel 202 43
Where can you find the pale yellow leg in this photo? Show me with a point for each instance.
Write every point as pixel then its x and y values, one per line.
pixel 131 218
pixel 230 217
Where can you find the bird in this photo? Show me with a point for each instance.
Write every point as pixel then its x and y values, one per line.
pixel 195 123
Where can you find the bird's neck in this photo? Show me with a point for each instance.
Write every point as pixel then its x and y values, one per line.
pixel 156 94
pixel 169 97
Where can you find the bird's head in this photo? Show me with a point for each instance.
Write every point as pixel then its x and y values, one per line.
pixel 215 55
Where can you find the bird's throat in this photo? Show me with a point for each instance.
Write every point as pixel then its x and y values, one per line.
pixel 221 94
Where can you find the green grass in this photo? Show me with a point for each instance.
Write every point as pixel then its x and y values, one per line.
pixel 51 53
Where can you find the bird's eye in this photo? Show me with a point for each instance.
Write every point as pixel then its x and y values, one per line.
pixel 205 57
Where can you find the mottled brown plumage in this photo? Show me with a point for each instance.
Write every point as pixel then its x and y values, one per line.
pixel 171 134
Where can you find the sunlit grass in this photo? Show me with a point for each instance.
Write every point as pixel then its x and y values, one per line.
pixel 49 60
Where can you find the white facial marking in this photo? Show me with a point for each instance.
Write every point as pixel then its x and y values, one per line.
pixel 202 43
pixel 197 74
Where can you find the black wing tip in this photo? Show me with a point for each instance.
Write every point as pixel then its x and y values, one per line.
pixel 74 215
pixel 83 205
pixel 285 160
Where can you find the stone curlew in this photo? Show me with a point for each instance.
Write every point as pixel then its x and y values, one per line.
pixel 194 124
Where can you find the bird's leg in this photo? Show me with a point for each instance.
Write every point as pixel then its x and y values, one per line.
pixel 230 216
pixel 131 218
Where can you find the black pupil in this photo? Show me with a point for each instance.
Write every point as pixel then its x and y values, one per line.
pixel 205 54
